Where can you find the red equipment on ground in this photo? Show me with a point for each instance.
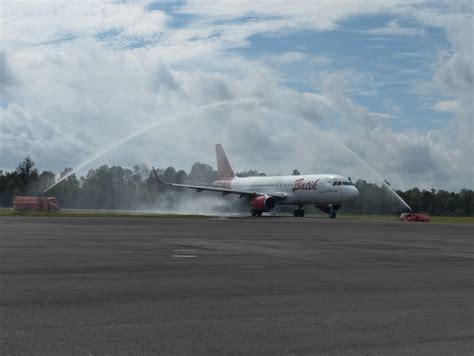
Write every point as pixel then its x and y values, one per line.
pixel 22 203
pixel 414 217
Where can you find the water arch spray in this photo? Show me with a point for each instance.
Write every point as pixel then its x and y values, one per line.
pixel 152 126
pixel 378 176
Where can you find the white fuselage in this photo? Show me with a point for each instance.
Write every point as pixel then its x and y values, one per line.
pixel 318 189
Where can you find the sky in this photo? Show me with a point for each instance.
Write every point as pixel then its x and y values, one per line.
pixel 305 85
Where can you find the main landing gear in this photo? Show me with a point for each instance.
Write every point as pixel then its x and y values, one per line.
pixel 299 212
pixel 255 212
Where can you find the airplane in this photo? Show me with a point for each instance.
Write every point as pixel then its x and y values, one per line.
pixel 326 191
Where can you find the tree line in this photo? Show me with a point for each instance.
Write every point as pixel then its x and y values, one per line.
pixel 118 188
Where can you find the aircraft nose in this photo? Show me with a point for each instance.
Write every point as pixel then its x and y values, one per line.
pixel 354 192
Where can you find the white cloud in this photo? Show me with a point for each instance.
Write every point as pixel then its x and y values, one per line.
pixel 26 134
pixel 446 106
pixel 33 23
pixel 392 28
pixel 290 57
pixel 302 14
pixel 454 77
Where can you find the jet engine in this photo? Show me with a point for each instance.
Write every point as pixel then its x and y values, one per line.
pixel 263 203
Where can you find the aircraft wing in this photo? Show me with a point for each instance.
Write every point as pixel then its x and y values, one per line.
pixel 224 191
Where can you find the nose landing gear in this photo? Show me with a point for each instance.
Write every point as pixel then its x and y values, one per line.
pixel 330 209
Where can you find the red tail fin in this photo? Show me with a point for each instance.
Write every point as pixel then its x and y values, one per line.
pixel 224 169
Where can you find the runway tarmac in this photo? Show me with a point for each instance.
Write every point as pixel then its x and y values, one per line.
pixel 96 286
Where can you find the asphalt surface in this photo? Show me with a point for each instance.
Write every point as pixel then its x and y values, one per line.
pixel 254 286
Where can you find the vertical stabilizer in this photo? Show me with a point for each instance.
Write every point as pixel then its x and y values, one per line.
pixel 224 169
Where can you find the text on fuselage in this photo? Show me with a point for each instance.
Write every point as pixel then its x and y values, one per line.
pixel 300 184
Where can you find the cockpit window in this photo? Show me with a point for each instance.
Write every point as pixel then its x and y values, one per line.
pixel 342 183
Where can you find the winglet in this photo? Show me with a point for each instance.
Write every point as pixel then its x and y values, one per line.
pixel 156 176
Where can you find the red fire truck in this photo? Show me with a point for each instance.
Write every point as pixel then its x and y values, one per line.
pixel 414 217
pixel 22 203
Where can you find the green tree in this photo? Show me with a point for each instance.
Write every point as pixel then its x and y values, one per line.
pixel 27 175
pixel 250 173
pixel 181 177
pixel 45 180
pixel 67 191
pixel 202 173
